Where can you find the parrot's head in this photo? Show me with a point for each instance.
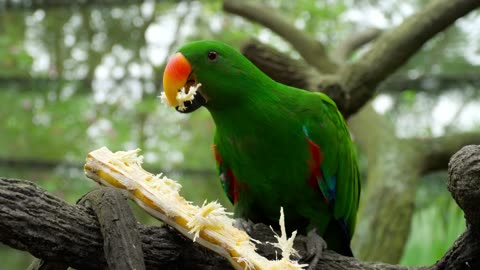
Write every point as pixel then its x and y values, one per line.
pixel 224 74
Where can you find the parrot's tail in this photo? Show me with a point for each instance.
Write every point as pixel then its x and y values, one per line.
pixel 337 237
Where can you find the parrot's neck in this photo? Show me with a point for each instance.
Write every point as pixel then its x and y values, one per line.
pixel 259 112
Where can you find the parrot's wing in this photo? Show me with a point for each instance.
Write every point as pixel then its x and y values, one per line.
pixel 337 171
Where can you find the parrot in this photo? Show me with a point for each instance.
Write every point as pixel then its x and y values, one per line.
pixel 275 145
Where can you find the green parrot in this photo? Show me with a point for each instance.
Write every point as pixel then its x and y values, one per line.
pixel 275 145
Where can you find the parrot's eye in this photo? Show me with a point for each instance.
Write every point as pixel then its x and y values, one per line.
pixel 212 56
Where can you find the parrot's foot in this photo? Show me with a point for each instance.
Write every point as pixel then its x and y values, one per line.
pixel 314 247
pixel 244 225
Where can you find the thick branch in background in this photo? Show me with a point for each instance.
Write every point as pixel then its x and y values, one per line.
pixel 287 70
pixel 437 151
pixel 431 83
pixel 35 221
pixel 394 47
pixel 345 49
pixel 284 69
pixel 311 50
pixel 354 84
pixel 278 65
pixel 392 169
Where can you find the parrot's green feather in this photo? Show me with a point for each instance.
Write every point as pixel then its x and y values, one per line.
pixel 273 141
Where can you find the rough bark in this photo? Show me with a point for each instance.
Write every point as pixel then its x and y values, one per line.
pixel 47 227
pixel 39 264
pixel 464 184
pixel 51 229
pixel 121 240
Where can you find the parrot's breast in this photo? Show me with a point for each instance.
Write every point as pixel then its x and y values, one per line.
pixel 270 169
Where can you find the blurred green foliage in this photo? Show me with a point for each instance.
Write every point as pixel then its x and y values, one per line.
pixel 434 229
pixel 436 224
pixel 77 78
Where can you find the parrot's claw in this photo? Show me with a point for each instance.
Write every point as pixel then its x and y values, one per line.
pixel 244 225
pixel 314 247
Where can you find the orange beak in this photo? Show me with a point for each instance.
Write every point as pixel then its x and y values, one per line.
pixel 175 77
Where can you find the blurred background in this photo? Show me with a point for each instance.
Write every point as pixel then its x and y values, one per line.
pixel 78 76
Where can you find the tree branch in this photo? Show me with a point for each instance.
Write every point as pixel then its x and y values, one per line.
pixel 355 42
pixel 33 220
pixel 312 51
pixel 437 151
pixel 354 84
pixel 394 47
pixel 49 228
pixel 278 65
pixel 121 239
pixel 464 184
pixel 388 200
pixel 432 83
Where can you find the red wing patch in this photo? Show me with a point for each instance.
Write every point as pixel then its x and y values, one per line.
pixel 314 164
pixel 217 156
pixel 233 187
pixel 227 177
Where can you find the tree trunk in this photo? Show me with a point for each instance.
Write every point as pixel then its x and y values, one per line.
pixel 388 198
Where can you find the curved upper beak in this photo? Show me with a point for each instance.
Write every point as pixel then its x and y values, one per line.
pixel 175 77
